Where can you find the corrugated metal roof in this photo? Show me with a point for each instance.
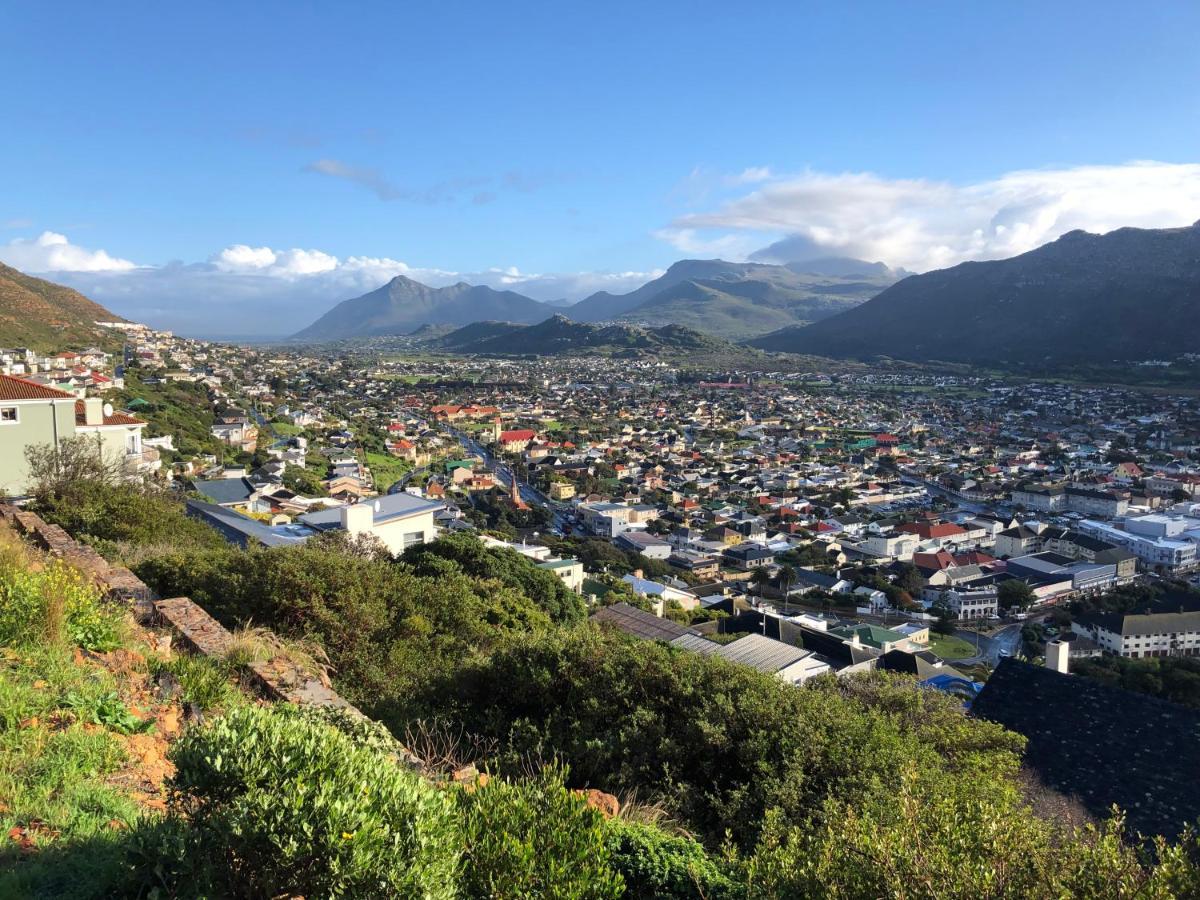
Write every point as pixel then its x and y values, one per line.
pixel 640 623
pixel 762 653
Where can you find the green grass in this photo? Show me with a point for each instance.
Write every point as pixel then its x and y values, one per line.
pixel 285 429
pixel 386 469
pixel 951 647
pixel 180 409
pixel 53 776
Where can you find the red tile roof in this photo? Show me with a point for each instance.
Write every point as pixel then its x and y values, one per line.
pixel 117 418
pixel 12 388
pixel 925 530
pixel 518 434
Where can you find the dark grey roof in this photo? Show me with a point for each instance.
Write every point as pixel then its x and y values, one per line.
pixel 816 579
pixel 640 623
pixel 924 664
pixel 1102 744
pixel 1087 542
pixel 224 490
pixel 1169 613
pixel 242 530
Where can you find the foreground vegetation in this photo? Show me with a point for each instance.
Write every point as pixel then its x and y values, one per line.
pixel 731 783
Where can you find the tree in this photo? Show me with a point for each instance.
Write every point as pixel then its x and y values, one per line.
pixel 1014 594
pixel 760 577
pixel 909 578
pixel 943 622
pixel 59 472
pixel 786 577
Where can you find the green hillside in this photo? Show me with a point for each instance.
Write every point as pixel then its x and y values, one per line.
pixel 559 335
pixel 46 316
pixel 1131 294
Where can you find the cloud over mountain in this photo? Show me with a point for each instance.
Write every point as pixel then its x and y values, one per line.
pixel 924 224
pixel 50 252
pixel 246 290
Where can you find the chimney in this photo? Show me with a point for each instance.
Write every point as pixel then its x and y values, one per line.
pixel 93 411
pixel 1058 656
pixel 359 518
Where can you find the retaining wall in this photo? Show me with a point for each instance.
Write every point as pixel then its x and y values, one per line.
pixel 277 678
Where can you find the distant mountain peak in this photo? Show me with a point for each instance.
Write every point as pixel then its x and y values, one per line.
pixel 1131 294
pixel 403 304
pixel 733 299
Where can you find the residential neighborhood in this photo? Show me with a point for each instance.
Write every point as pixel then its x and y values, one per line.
pixel 860 500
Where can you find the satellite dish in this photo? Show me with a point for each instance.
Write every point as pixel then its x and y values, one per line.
pixel 376 506
pixel 108 410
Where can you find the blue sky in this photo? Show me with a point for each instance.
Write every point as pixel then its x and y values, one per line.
pixel 558 148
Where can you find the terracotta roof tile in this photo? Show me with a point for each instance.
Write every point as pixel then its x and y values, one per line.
pixel 117 418
pixel 13 388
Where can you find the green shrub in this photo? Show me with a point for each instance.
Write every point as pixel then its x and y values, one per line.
pixel 387 632
pixel 108 711
pixel 203 680
pixel 934 839
pixel 55 604
pixel 118 518
pixel 364 732
pixel 718 744
pixel 276 805
pixel 534 839
pixel 655 864
pixel 467 554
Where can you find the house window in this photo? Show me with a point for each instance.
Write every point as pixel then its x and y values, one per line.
pixel 9 415
pixel 413 537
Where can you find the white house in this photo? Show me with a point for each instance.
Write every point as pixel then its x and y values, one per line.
pixel 399 521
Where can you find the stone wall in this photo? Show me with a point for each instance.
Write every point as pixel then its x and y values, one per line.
pixel 277 678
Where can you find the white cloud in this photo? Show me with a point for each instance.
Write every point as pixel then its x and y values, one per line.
pixel 372 179
pixel 693 243
pixel 922 224
pixel 241 258
pixel 50 251
pixel 751 175
pixel 245 290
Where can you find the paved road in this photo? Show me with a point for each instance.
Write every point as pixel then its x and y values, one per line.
pixel 505 475
pixel 1005 642
pixel 402 482
pixel 263 423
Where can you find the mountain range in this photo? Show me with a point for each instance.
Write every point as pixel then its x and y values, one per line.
pixel 559 335
pixel 1130 294
pixel 734 300
pixel 403 305
pixel 45 315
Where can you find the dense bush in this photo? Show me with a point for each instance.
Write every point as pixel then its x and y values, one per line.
pixel 111 516
pixel 386 630
pixel 465 553
pixel 54 604
pixel 929 840
pixel 534 839
pixel 655 864
pixel 278 805
pixel 719 744
pixel 1174 678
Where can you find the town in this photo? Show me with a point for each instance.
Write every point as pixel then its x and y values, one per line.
pixel 934 523
pixel 473 452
